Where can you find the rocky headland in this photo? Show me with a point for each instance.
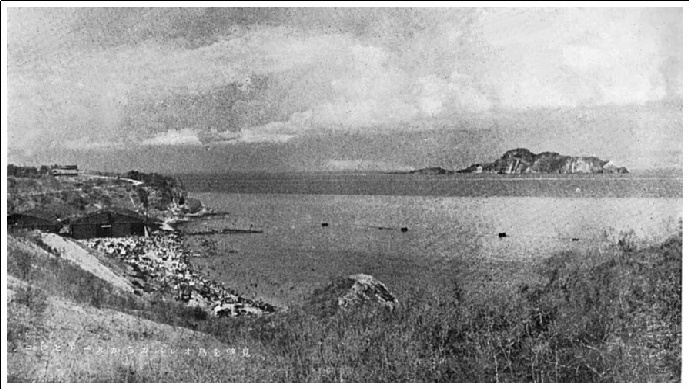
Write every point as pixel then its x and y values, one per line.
pixel 523 161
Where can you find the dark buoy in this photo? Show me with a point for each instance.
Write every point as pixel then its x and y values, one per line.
pixel 405 229
pixel 502 235
pixel 324 224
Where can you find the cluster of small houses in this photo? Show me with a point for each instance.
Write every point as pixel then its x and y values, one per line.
pixel 163 252
pixel 31 171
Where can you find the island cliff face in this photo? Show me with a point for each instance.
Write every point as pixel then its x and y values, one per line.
pixel 523 161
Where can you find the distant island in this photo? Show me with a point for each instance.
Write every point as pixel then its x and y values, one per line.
pixel 523 161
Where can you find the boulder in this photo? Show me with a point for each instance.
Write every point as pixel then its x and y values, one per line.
pixel 133 273
pixel 192 205
pixel 224 310
pixel 366 288
pixel 350 293
pixel 236 309
pixel 245 309
pixel 138 283
pixel 197 300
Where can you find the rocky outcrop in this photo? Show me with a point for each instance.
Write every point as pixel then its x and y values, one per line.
pixel 240 309
pixel 159 192
pixel 365 288
pixel 351 292
pixel 523 161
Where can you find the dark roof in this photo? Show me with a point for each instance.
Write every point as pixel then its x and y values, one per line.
pixel 38 214
pixel 117 211
pixel 121 211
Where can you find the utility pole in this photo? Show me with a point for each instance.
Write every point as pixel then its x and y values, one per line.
pixel 143 194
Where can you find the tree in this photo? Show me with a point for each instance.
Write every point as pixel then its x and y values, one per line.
pixel 143 196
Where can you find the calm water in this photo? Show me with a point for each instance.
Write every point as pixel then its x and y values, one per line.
pixel 463 185
pixel 447 232
pixel 439 228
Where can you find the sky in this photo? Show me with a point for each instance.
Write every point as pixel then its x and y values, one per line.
pixel 333 89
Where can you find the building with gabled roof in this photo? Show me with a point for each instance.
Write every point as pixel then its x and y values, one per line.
pixel 111 222
pixel 64 170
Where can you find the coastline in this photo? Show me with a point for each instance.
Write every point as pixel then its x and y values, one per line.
pixel 178 220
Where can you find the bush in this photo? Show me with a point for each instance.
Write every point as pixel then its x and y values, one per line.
pixel 611 317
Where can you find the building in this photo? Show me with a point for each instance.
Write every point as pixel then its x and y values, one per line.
pixel 33 220
pixel 65 170
pixel 112 222
pixel 21 171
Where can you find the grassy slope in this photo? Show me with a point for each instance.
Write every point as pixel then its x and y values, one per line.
pixel 56 303
pixel 37 319
pixel 67 197
pixel 603 317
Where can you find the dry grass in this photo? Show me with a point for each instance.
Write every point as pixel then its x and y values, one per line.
pixel 612 316
pixel 66 342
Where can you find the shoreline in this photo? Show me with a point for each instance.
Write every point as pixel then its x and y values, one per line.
pixel 176 221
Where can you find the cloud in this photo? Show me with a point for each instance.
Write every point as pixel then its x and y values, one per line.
pixel 264 135
pixel 571 57
pixel 86 144
pixel 184 136
pixel 274 132
pixel 458 93
pixel 113 74
pixel 252 135
pixel 362 165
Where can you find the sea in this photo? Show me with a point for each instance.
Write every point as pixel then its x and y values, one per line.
pixel 404 227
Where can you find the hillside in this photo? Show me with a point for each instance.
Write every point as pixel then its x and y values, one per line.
pixel 68 196
pixel 73 317
pixel 605 316
pixel 53 339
